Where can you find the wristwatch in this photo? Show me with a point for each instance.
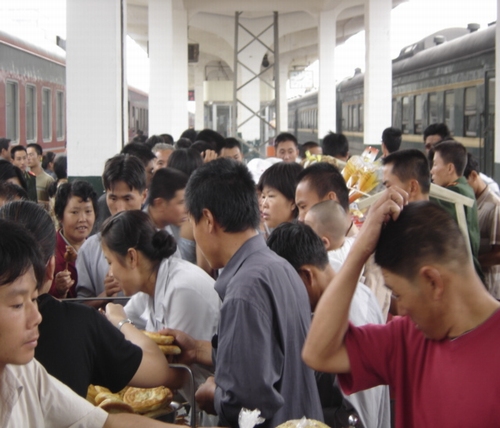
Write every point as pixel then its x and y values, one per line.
pixel 122 322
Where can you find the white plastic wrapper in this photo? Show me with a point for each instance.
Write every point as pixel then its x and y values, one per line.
pixel 249 418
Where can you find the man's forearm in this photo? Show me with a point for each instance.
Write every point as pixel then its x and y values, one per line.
pixel 204 353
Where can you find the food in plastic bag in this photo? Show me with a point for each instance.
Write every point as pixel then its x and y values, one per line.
pixel 249 418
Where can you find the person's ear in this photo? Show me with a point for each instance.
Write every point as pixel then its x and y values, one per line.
pixel 209 221
pixel 306 276
pixel 331 196
pixel 144 196
pixel 50 269
pixel 326 242
pixel 132 257
pixel 433 282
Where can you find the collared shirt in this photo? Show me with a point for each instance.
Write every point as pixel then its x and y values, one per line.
pixel 265 317
pixel 30 397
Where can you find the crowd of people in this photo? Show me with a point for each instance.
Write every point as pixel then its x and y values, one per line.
pixel 277 299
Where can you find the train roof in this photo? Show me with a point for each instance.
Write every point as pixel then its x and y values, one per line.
pixel 468 45
pixel 50 52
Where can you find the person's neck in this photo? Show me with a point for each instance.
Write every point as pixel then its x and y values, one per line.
pixel 452 179
pixel 479 188
pixel 150 275
pixel 326 277
pixel 156 218
pixel 232 242
pixel 37 170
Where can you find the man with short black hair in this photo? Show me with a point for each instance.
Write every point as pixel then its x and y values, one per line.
pixel 5 149
pixel 409 170
pixel 336 145
pixel 20 158
pixel 265 311
pixel 441 359
pixel 231 149
pixel 43 180
pixel 434 134
pixel 286 147
pixel 391 141
pixel 124 179
pixel 312 147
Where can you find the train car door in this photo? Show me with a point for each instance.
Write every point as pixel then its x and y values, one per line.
pixel 487 158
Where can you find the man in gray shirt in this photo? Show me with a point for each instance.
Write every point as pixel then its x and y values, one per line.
pixel 265 313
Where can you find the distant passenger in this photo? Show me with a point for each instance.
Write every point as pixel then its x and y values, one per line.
pixel 43 180
pixel 409 170
pixel 162 151
pixel 231 150
pixel 336 145
pixel 5 149
pixel 488 207
pixel 11 192
pixel 167 139
pixel 287 147
pixel 153 141
pixel 211 137
pixel 48 164
pixel 189 134
pixel 183 143
pixel 391 141
pixel 312 147
pixel 434 134
pixel 20 159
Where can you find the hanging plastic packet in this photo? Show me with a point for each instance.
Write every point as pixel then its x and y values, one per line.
pixel 249 418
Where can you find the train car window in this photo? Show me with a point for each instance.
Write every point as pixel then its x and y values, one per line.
pixel 470 112
pixel 417 114
pixel 12 110
pixel 345 117
pixel 60 114
pixel 432 117
pixel 355 118
pixel 30 113
pixel 449 110
pixel 394 112
pixel 46 114
pixel 361 117
pixel 405 123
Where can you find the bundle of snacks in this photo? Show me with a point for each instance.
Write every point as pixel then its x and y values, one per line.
pixel 361 177
pixel 165 343
pixel 303 423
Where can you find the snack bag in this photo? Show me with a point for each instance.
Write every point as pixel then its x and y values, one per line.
pixel 249 418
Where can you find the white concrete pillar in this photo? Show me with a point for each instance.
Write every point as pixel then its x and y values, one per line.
pixel 378 75
pixel 160 24
pixel 497 97
pixel 283 96
pixel 327 90
pixel 96 85
pixel 199 94
pixel 179 82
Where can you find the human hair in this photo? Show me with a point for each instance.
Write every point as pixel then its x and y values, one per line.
pixel 48 158
pixel 10 191
pixel 307 146
pixel 165 183
pixel 391 137
pixel 330 220
pixel 16 149
pixel 162 146
pixel 126 168
pixel 35 219
pixel 81 189
pixel 472 165
pixel 452 152
pixel 410 164
pixel 440 129
pixel 139 150
pixel 4 144
pixel 423 233
pixel 185 160
pixel 324 178
pixel 153 140
pixel 37 147
pixel 135 229
pixel 285 136
pixel 202 146
pixel 183 143
pixel 167 138
pixel 19 253
pixel 211 137
pixel 8 171
pixel 283 177
pixel 335 145
pixel 230 143
pixel 61 167
pixel 189 134
pixel 298 245
pixel 226 188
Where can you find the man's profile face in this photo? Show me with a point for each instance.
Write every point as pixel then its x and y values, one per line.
pixel 287 150
pixel 232 153
pixel 305 198
pixel 439 172
pixel 19 319
pixel 121 198
pixel 20 159
pixel 431 141
pixel 161 159
pixel 33 157
pixel 389 179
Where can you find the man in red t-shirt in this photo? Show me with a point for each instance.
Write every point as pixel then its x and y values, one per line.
pixel 442 356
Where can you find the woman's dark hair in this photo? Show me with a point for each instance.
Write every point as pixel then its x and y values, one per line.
pixel 134 229
pixel 283 177
pixel 48 158
pixel 18 253
pixel 8 171
pixel 37 220
pixel 165 184
pixel 10 191
pixel 81 189
pixel 61 167
pixel 185 160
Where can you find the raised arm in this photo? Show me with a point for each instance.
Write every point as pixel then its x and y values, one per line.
pixel 324 349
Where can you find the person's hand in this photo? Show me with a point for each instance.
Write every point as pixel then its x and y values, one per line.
pixel 115 313
pixel 209 155
pixel 63 283
pixel 186 343
pixel 111 286
pixel 205 396
pixel 387 207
